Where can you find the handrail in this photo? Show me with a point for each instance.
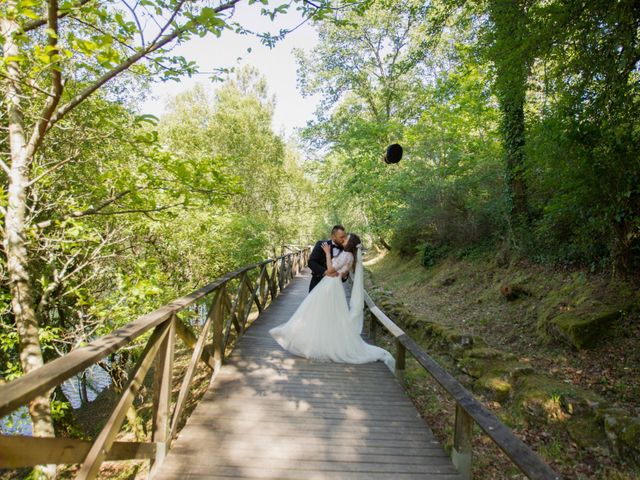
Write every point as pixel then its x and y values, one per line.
pixel 468 408
pixel 227 311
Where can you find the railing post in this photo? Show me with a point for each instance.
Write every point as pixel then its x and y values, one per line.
pixel 373 325
pixel 162 397
pixel 218 325
pixel 292 258
pixel 242 302
pixel 401 355
pixel 462 433
pixel 263 286
pixel 281 272
pixel 273 281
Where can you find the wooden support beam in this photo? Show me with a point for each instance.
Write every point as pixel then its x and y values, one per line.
pixel 217 318
pixel 186 335
pixel 162 397
pixel 252 291
pixel 401 354
pixel 373 327
pixel 20 451
pixel 461 454
pixel 244 303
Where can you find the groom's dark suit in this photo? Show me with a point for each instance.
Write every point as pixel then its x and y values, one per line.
pixel 318 261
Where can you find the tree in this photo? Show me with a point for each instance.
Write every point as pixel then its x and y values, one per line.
pixel 367 68
pixel 510 52
pixel 55 57
pixel 233 127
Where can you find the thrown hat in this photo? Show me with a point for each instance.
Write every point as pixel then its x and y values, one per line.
pixel 394 153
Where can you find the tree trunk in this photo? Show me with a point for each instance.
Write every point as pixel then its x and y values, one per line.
pixel 512 61
pixel 15 243
pixel 385 244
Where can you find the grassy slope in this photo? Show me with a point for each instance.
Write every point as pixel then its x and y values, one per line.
pixel 465 293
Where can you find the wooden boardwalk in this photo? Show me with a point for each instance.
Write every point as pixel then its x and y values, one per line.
pixel 271 415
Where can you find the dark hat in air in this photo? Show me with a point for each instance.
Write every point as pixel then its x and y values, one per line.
pixel 394 153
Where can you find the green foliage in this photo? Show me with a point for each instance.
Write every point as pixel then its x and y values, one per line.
pixel 448 187
pixel 519 122
pixel 158 209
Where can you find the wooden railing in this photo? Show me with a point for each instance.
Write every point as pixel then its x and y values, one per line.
pixel 233 297
pixel 468 408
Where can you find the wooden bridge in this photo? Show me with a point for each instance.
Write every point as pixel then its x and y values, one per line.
pixel 267 413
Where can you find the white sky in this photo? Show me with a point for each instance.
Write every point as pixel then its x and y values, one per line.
pixel 277 65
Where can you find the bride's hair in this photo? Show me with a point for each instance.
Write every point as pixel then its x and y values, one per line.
pixel 354 241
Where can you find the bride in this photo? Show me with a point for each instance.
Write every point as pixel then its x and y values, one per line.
pixel 324 327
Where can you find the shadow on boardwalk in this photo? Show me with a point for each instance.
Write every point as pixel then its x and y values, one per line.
pixel 271 415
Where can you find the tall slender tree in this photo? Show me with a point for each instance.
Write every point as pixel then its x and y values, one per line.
pixel 510 55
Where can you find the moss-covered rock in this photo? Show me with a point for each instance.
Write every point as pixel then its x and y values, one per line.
pixel 623 433
pixel 489 354
pixel 463 344
pixel 539 398
pixel 495 387
pixel 586 431
pixel 581 312
pixel 509 369
pixel 583 331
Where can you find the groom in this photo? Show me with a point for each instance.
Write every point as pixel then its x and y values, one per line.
pixel 318 259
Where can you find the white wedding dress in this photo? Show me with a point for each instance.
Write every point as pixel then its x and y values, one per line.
pixel 325 328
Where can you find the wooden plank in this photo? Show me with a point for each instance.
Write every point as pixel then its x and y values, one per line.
pixel 19 451
pixel 203 437
pixel 346 469
pixel 317 451
pixel 263 474
pixel 187 336
pixel 269 414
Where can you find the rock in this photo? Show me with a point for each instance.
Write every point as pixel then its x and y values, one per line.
pixel 583 331
pixel 623 433
pixel 461 344
pixel 513 292
pixel 586 431
pixel 541 399
pixel 489 353
pixel 577 405
pixel 581 312
pixel 508 369
pixel 448 281
pixel 495 387
pixel 473 367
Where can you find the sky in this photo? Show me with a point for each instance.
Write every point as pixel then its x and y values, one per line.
pixel 277 65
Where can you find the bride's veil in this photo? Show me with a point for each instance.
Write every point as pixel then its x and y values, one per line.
pixel 356 305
